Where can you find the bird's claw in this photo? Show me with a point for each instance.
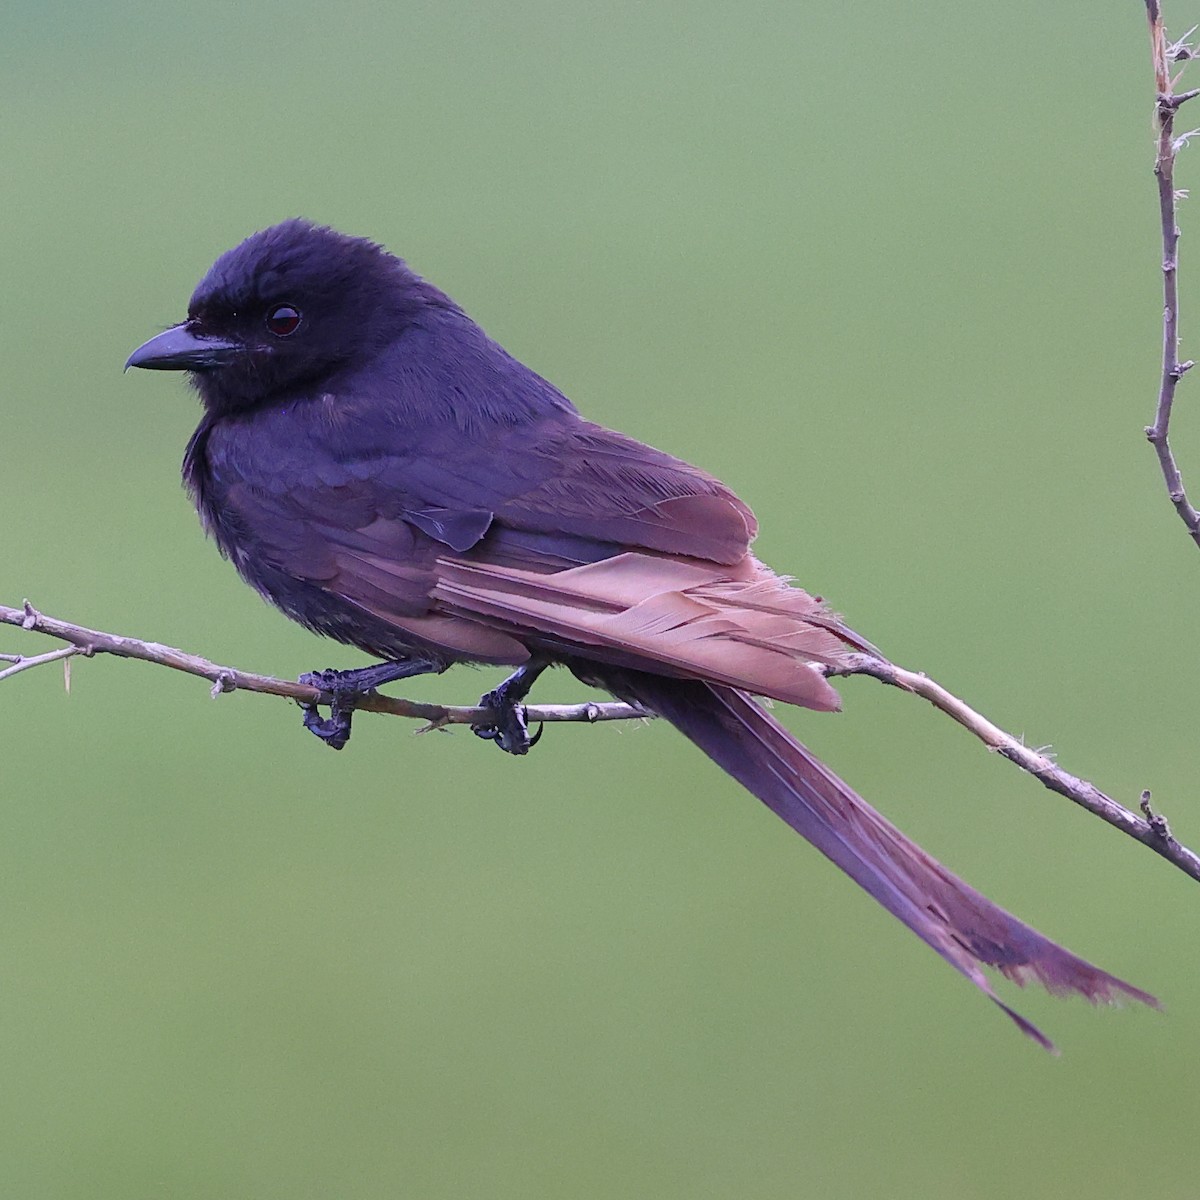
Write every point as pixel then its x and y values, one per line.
pixel 342 691
pixel 334 731
pixel 510 730
pixel 341 687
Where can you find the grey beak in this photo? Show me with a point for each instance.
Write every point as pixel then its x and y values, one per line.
pixel 179 349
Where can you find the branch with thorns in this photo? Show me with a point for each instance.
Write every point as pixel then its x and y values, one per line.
pixel 1167 103
pixel 1152 831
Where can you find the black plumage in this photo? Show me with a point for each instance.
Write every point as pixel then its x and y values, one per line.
pixel 389 476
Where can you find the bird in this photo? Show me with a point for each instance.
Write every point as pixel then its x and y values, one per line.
pixel 387 475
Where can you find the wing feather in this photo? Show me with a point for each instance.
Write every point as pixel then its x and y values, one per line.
pixel 684 615
pixel 561 528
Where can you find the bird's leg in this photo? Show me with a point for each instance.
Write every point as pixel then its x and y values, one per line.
pixel 345 687
pixel 509 730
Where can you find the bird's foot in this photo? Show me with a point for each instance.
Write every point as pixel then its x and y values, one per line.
pixel 509 728
pixel 334 731
pixel 345 688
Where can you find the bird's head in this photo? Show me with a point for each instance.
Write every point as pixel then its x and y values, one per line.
pixel 288 307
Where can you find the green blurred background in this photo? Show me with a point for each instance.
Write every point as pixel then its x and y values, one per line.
pixel 888 269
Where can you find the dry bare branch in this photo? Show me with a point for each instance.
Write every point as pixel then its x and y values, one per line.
pixel 1152 832
pixel 1166 105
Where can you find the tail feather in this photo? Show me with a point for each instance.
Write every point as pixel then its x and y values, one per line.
pixel 963 926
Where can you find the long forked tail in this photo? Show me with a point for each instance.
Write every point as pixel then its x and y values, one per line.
pixel 962 925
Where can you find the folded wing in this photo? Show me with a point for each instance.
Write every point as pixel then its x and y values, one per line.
pixel 743 626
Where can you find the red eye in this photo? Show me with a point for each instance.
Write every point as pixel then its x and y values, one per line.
pixel 283 321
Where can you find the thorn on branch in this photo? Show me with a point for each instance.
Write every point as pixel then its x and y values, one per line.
pixel 31 615
pixel 435 725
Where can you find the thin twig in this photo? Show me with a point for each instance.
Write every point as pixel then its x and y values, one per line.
pixel 1167 104
pixel 21 663
pixel 1152 832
